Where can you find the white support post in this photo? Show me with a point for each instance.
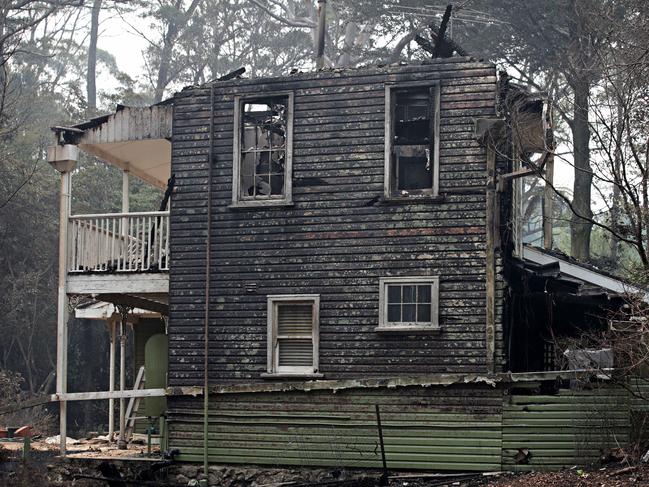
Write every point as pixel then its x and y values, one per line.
pixel 126 263
pixel 111 379
pixel 63 158
pixel 121 442
pixel 125 191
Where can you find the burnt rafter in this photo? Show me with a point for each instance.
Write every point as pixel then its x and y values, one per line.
pixel 441 47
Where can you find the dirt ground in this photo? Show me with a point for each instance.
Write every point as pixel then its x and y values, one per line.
pixel 618 476
pixel 45 468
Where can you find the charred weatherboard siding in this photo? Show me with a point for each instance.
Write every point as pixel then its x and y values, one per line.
pixel 339 236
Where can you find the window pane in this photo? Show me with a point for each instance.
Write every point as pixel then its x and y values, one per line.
pixel 423 313
pixel 409 313
pixel 294 319
pixel 409 294
pixel 295 353
pixel 394 294
pixel 414 168
pixel 423 294
pixel 276 184
pixel 394 312
pixel 412 116
pixel 262 185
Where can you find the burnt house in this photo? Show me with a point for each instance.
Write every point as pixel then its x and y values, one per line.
pixel 337 241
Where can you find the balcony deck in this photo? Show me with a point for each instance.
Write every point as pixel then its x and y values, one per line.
pixel 112 254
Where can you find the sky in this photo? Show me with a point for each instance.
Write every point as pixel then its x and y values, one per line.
pixel 121 40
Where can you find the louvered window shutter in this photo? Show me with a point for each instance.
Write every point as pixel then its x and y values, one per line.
pixel 294 346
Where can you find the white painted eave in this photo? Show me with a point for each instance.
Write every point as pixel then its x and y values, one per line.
pixel 135 139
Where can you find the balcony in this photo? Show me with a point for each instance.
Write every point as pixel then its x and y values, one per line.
pixel 118 253
pixel 119 242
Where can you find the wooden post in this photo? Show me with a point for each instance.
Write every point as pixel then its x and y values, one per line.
pixel 548 202
pixel 111 378
pixel 491 230
pixel 125 192
pixel 121 442
pixel 63 158
pixel 320 39
pixel 126 262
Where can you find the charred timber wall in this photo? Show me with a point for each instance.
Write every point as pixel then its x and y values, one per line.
pixel 337 239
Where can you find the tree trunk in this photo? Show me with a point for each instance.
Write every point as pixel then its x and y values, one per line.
pixel 176 25
pixel 91 74
pixel 165 62
pixel 580 225
pixel 617 167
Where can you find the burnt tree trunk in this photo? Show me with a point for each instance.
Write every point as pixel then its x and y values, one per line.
pixel 91 74
pixel 580 225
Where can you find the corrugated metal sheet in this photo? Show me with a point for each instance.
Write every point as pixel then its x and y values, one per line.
pixel 467 428
pixel 427 428
pixel 639 392
pixel 566 429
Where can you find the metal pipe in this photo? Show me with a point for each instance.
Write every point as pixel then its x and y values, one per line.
pixel 111 379
pixel 208 243
pixel 320 39
pixel 384 476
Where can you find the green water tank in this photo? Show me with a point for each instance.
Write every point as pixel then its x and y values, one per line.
pixel 155 367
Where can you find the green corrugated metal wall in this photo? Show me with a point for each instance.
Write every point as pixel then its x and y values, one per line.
pixel 639 391
pixel 566 429
pixel 459 428
pixel 425 428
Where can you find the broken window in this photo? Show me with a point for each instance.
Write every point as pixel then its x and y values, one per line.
pixel 411 145
pixel 263 150
pixel 408 302
pixel 293 334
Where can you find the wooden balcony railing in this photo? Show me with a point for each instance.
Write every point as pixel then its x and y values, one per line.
pixel 119 242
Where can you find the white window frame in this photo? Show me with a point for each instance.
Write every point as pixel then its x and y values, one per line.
pixel 385 326
pixel 273 368
pixel 389 136
pixel 237 201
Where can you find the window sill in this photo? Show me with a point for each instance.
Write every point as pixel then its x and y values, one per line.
pixel 249 205
pixel 408 329
pixel 284 375
pixel 399 200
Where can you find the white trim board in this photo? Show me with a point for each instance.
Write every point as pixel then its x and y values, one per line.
pixel 584 274
pixel 118 283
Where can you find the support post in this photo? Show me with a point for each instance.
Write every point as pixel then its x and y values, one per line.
pixel 111 378
pixel 63 158
pixel 491 261
pixel 121 442
pixel 126 264
pixel 125 192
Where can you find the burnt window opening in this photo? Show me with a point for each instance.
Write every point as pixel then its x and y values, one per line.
pixel 412 142
pixel 263 150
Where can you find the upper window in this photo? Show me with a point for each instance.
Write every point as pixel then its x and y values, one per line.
pixel 412 140
pixel 262 150
pixel 408 303
pixel 293 322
